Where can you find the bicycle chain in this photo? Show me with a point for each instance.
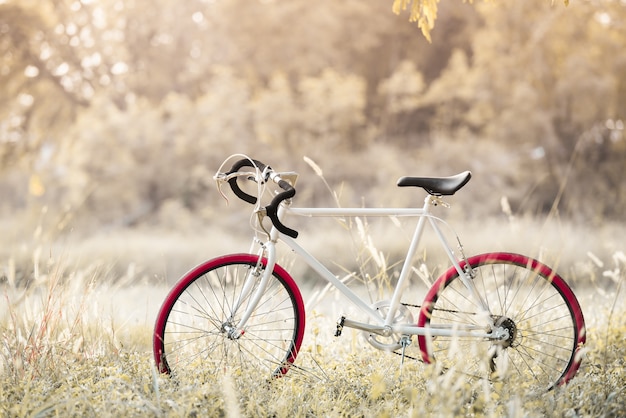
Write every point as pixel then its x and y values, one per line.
pixel 438 309
pixel 420 306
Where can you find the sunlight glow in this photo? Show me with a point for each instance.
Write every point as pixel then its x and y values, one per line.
pixel 26 100
pixel 62 69
pixel 603 18
pixel 197 17
pixel 31 71
pixel 119 68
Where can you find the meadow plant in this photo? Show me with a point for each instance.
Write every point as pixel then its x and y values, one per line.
pixel 63 354
pixel 59 356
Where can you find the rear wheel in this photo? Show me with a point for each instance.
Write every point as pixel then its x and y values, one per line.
pixel 196 328
pixel 538 324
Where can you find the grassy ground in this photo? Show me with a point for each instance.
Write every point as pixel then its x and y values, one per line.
pixel 75 340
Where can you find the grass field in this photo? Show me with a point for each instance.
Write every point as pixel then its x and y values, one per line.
pixel 75 340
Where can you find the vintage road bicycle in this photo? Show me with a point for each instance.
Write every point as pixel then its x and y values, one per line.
pixel 496 315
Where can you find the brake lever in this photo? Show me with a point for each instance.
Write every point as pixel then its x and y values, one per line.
pixel 219 179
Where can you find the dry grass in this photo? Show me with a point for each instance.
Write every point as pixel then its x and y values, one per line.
pixel 75 340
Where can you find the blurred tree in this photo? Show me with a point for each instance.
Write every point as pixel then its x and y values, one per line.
pixel 332 109
pixel 171 46
pixel 597 172
pixel 39 84
pixel 273 112
pixel 450 95
pixel 57 54
pixel 127 103
pixel 122 165
pixel 456 25
pixel 403 88
pixel 298 37
pixel 528 85
pixel 402 92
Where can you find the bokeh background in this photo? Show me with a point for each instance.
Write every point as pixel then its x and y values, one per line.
pixel 114 115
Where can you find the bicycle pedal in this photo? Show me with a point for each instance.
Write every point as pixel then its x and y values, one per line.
pixel 340 326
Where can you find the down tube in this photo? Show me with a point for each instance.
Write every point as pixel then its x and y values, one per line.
pixel 330 277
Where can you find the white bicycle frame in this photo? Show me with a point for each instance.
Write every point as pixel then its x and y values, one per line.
pixel 378 325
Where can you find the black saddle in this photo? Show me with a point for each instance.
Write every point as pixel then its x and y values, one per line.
pixel 437 186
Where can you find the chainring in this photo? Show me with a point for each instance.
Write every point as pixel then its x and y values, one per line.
pixel 392 342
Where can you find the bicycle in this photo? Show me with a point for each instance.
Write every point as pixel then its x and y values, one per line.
pixel 495 315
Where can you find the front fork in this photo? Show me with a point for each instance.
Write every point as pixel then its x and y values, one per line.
pixel 252 290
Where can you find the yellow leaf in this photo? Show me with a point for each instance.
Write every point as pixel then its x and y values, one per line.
pixel 399 5
pixel 35 186
pixel 425 32
pixel 424 12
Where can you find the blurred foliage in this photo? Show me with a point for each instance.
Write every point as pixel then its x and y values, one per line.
pixel 119 112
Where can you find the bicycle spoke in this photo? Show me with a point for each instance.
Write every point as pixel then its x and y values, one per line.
pixel 523 297
pixel 197 327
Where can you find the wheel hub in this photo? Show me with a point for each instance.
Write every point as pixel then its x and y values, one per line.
pixel 230 331
pixel 506 328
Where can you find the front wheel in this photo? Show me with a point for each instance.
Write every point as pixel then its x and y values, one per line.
pixel 197 331
pixel 536 325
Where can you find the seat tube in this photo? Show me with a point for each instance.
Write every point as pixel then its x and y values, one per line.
pixel 408 262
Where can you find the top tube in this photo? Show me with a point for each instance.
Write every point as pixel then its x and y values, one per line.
pixel 357 211
pixel 337 212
